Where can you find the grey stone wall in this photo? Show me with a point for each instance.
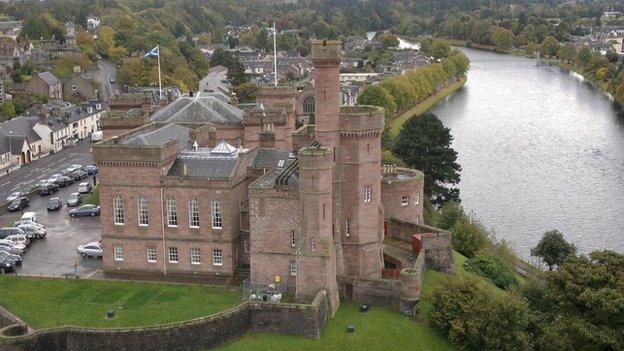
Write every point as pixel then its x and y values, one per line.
pixel 380 292
pixel 197 334
pixel 7 318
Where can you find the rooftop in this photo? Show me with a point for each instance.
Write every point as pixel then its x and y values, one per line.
pixel 203 107
pixel 160 136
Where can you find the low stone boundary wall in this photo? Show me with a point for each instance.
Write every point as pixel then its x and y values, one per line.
pixel 7 318
pixel 381 292
pixel 197 334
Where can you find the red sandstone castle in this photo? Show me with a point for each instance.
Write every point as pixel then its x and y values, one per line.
pixel 203 186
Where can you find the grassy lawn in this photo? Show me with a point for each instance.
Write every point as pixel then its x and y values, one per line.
pixel 379 329
pixel 45 303
pixel 424 106
pixel 93 197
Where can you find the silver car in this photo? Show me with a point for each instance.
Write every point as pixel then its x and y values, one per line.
pixel 93 249
pixel 15 195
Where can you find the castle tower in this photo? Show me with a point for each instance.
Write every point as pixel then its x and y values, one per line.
pixel 316 255
pixel 360 190
pixel 326 59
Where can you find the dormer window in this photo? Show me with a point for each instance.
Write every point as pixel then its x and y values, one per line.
pixel 280 163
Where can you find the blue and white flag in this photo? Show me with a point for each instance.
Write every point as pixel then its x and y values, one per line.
pixel 153 52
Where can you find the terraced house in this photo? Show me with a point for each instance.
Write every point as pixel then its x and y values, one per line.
pixel 208 186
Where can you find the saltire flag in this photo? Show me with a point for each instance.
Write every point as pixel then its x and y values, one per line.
pixel 153 52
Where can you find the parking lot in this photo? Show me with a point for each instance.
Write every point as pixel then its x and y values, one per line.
pixel 56 254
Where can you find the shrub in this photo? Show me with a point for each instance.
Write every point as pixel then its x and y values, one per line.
pixel 472 316
pixel 469 237
pixel 450 213
pixel 494 269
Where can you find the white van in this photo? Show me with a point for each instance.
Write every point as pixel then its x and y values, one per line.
pixel 97 136
pixel 29 217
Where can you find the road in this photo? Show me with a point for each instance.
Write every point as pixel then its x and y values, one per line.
pixel 28 175
pixel 105 73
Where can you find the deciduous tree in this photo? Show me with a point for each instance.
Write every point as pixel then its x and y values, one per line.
pixel 553 248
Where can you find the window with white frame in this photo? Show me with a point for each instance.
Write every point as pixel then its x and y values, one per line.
pixel 119 253
pixel 217 257
pixel 217 220
pixel 347 227
pixel 195 256
pixel 118 210
pixel 368 193
pixel 293 267
pixel 293 240
pixel 142 211
pixel 416 199
pixel 404 200
pixel 173 254
pixel 193 213
pixel 151 254
pixel 172 213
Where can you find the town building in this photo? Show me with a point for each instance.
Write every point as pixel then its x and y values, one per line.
pixel 44 83
pixel 215 81
pixel 79 87
pixel 207 187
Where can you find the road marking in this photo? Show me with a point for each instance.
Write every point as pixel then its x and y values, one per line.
pixel 5 184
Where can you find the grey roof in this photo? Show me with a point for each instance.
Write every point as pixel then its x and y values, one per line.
pixel 15 144
pixel 270 158
pixel 22 126
pixel 161 136
pixel 217 162
pixel 49 78
pixel 204 107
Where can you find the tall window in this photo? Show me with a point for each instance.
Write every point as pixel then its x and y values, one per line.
pixel 416 199
pixel 119 253
pixel 195 256
pixel 217 257
pixel 173 254
pixel 193 213
pixel 404 200
pixel 308 104
pixel 151 254
pixel 347 227
pixel 143 219
pixel 172 213
pixel 217 220
pixel 368 193
pixel 293 267
pixel 118 211
pixel 292 238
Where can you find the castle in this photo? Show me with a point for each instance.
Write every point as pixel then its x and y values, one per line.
pixel 203 187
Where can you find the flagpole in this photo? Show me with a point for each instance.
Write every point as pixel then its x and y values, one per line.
pixel 159 78
pixel 274 55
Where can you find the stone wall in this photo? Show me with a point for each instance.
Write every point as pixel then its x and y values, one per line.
pixel 197 334
pixel 6 318
pixel 379 292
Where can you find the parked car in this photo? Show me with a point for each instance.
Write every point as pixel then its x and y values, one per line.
pixel 7 231
pixel 8 256
pixel 7 265
pixel 65 181
pixel 19 204
pixel 74 167
pixel 41 183
pixel 78 175
pixel 91 169
pixel 31 231
pixel 85 210
pixel 84 188
pixel 10 243
pixel 19 239
pixel 54 178
pixel 74 199
pixel 93 249
pixel 54 204
pixel 15 195
pixel 11 248
pixel 48 188
pixel 29 223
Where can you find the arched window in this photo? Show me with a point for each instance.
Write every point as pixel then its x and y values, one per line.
pixel 308 104
pixel 217 220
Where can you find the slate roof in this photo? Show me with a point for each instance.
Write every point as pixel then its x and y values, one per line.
pixel 204 107
pixel 49 78
pixel 20 126
pixel 161 136
pixel 217 162
pixel 270 158
pixel 15 144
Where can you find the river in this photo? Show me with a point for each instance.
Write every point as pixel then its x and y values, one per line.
pixel 539 149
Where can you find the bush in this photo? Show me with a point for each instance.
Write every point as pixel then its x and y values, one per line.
pixel 450 213
pixel 469 237
pixel 470 315
pixel 494 269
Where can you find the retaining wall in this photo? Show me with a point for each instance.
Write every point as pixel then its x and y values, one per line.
pixel 197 334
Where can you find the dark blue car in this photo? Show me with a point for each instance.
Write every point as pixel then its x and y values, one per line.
pixel 85 211
pixel 91 170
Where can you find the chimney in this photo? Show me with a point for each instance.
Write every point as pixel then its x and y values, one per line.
pixel 169 96
pixel 77 69
pixel 41 117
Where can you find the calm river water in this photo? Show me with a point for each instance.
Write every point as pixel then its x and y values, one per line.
pixel 540 149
